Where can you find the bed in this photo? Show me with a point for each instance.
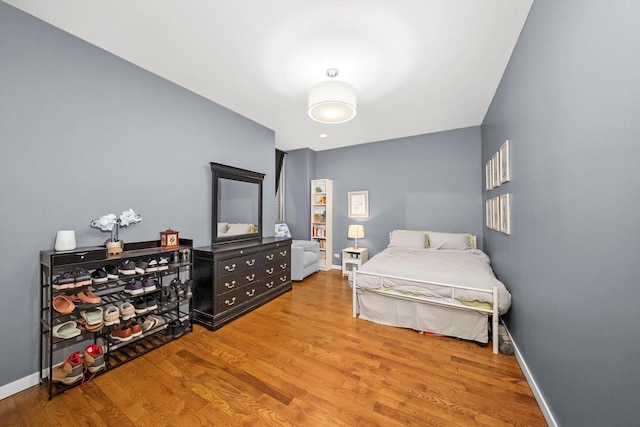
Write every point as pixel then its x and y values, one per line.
pixel 432 282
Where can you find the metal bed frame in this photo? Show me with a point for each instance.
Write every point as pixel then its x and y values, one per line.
pixel 442 301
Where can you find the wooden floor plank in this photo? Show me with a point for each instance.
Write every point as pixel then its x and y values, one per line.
pixel 300 360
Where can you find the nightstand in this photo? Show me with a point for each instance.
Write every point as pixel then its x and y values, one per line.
pixel 353 258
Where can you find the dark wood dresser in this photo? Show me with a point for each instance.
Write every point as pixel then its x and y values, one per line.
pixel 231 279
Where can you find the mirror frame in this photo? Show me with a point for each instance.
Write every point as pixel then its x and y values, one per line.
pixel 220 171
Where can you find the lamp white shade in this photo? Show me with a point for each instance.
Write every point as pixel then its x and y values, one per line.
pixel 332 102
pixel 65 240
pixel 356 231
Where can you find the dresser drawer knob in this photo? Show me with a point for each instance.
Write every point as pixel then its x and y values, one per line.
pixel 270 270
pixel 283 266
pixel 250 263
pixel 230 285
pixel 230 303
pixel 269 285
pixel 270 257
pixel 252 293
pixel 283 279
pixel 233 267
pixel 283 253
pixel 250 278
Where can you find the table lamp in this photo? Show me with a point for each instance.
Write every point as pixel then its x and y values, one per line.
pixel 356 232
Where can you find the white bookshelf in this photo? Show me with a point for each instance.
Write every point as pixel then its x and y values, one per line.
pixel 322 219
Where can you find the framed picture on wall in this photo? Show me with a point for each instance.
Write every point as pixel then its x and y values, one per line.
pixel 505 214
pixel 495 208
pixel 505 167
pixel 488 213
pixel 495 168
pixel 358 204
pixel 488 175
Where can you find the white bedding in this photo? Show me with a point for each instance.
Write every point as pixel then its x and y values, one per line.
pixel 469 268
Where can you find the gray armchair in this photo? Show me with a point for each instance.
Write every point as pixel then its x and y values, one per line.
pixel 304 258
pixel 305 254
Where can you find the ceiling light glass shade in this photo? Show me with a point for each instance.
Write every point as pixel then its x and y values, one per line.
pixel 332 102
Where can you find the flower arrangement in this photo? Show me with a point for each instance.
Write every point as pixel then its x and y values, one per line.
pixel 112 223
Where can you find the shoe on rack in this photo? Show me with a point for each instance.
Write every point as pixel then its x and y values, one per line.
pixel 80 302
pixel 84 326
pixel 66 330
pixel 93 316
pixel 70 371
pixel 149 285
pixel 163 264
pixel 158 320
pixel 136 328
pixel 134 287
pixel 94 358
pixel 112 272
pixel 65 280
pixel 185 256
pixel 152 265
pixel 63 304
pixel 151 303
pixel 168 295
pixel 86 296
pixel 81 277
pixel 127 267
pixel 148 323
pixel 140 306
pixel 187 286
pixel 177 285
pixel 175 329
pixel 112 316
pixel 99 275
pixel 174 259
pixel 123 333
pixel 141 266
pixel 127 310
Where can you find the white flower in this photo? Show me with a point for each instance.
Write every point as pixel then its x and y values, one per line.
pixel 105 222
pixel 129 217
pixel 109 221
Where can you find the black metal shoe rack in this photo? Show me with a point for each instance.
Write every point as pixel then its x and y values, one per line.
pixel 54 350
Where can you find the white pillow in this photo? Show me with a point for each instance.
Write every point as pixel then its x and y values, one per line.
pixel 222 228
pixel 449 240
pixel 239 229
pixel 408 239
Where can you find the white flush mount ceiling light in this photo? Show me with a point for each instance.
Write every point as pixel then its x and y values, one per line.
pixel 332 101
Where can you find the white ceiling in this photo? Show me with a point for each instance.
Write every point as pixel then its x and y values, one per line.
pixel 418 66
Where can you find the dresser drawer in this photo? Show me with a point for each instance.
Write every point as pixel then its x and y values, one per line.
pixel 276 254
pixel 276 267
pixel 234 265
pixel 237 297
pixel 275 281
pixel 237 280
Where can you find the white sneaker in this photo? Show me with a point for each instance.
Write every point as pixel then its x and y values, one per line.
pixel 111 316
pixel 127 311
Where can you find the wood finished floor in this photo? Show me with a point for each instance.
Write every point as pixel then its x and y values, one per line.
pixel 300 360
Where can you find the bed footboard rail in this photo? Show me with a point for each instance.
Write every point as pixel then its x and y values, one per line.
pixel 493 312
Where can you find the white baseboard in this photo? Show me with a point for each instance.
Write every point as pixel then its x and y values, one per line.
pixel 19 385
pixel 537 393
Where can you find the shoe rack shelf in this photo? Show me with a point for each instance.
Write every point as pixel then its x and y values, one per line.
pixel 172 318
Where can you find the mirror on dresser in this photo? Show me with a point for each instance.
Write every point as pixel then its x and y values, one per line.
pixel 236 204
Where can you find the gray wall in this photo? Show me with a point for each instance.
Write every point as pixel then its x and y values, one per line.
pixel 299 171
pixel 84 133
pixel 425 182
pixel 569 103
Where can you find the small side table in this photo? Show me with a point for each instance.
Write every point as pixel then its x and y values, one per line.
pixel 353 258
